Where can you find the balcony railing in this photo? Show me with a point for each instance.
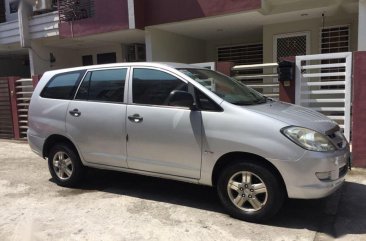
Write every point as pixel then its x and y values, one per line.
pixel 73 10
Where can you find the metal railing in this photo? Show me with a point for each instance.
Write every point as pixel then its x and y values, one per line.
pixel 261 77
pixel 73 10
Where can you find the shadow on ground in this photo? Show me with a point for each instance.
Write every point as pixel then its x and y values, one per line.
pixel 327 215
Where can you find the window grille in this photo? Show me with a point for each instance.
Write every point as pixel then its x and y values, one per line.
pixel 73 10
pixel 242 55
pixel 291 46
pixel 334 39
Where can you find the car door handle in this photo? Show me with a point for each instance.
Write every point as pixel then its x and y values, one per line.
pixel 136 118
pixel 75 112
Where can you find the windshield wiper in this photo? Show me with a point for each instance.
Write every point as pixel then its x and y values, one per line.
pixel 242 103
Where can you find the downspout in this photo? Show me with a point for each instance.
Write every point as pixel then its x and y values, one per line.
pixel 24 14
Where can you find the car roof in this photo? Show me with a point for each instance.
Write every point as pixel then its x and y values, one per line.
pixel 134 64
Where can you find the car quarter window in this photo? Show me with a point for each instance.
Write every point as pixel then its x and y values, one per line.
pixel 103 85
pixel 62 86
pixel 153 87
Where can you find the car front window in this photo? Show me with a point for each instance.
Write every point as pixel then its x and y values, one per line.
pixel 225 87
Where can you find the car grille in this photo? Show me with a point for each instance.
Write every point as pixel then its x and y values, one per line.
pixel 343 171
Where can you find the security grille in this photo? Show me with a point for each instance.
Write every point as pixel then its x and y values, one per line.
pixel 291 46
pixel 242 55
pixel 73 10
pixel 334 40
pixel 6 125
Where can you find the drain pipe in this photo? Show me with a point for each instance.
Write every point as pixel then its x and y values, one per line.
pixel 24 14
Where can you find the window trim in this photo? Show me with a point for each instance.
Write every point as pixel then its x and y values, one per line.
pixel 128 69
pixel 75 88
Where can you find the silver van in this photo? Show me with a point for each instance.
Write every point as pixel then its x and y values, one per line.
pixel 190 124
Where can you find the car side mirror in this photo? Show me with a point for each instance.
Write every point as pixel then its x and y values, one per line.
pixel 181 98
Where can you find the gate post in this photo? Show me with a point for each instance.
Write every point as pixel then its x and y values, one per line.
pixel 224 67
pixel 35 80
pixel 14 105
pixel 359 110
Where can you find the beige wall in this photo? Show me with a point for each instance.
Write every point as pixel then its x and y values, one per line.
pixel 313 26
pixel 40 58
pixel 362 26
pixel 243 38
pixel 167 46
pixel 66 57
pixel 111 48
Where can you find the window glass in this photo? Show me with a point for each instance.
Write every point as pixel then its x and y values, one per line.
pixel 62 86
pixel 225 87
pixel 103 85
pixel 153 87
pixel 205 103
pixel 83 92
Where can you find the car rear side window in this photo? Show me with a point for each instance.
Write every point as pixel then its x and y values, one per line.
pixel 62 86
pixel 103 85
pixel 153 87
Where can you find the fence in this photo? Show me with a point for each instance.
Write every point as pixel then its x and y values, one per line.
pixel 261 77
pixel 15 95
pixel 323 83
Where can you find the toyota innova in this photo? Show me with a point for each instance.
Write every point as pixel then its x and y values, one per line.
pixel 190 124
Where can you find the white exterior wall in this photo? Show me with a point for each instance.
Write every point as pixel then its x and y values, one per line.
pixel 167 46
pixel 362 26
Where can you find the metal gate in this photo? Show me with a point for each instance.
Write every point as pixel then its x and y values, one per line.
pixel 6 124
pixel 23 92
pixel 323 83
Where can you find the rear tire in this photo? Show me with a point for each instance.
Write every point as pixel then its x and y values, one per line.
pixel 65 166
pixel 250 191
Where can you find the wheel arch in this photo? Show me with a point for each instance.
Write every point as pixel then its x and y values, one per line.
pixel 231 157
pixel 54 139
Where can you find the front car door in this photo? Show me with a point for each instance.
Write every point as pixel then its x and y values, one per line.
pixel 161 138
pixel 96 117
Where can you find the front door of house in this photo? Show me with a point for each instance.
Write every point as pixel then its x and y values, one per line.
pixel 291 44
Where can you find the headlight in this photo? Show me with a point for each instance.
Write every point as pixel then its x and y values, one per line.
pixel 308 139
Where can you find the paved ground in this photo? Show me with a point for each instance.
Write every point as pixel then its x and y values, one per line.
pixel 118 206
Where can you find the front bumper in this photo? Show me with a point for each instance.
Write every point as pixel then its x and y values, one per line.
pixel 300 176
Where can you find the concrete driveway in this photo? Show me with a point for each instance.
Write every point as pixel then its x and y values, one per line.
pixel 119 206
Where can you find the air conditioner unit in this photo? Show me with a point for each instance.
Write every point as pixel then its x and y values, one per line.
pixel 42 5
pixel 136 53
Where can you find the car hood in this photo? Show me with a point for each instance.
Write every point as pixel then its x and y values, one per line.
pixel 294 115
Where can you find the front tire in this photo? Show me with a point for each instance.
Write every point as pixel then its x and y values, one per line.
pixel 250 191
pixel 65 166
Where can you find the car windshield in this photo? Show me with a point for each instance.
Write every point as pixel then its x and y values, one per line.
pixel 227 88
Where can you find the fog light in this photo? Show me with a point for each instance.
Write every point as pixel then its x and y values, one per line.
pixel 324 176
